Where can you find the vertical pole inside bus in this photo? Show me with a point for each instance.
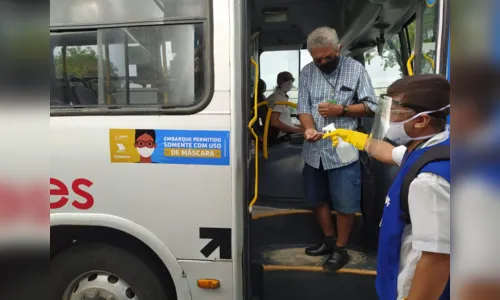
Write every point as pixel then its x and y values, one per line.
pixel 165 69
pixel 108 73
pixel 127 70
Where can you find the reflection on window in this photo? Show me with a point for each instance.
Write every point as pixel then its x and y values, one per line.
pixel 154 65
pixel 429 36
pixel 384 70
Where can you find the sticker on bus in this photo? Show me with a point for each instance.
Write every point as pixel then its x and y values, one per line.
pixel 161 146
pixel 430 3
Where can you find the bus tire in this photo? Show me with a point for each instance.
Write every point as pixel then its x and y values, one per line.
pixel 79 269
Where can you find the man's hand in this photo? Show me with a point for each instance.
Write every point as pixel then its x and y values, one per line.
pixel 326 109
pixel 312 135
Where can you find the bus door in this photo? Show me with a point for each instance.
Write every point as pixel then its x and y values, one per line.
pixel 431 37
pixel 282 223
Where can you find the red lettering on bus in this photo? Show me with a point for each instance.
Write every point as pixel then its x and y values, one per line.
pixel 62 190
pixel 89 200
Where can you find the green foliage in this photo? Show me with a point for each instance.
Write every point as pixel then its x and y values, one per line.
pixel 81 62
pixel 391 53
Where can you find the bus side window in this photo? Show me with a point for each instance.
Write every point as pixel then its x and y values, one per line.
pixel 156 66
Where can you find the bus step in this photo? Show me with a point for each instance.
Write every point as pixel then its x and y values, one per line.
pixel 271 226
pixel 290 274
pixel 317 285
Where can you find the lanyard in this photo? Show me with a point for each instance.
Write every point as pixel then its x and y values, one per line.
pixel 334 86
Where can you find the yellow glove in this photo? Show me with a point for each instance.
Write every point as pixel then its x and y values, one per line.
pixel 355 138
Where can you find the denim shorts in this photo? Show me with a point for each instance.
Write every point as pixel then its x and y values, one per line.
pixel 341 186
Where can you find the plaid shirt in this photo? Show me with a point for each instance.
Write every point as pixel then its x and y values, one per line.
pixel 316 87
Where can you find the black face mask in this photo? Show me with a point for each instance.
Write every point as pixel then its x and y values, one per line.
pixel 329 66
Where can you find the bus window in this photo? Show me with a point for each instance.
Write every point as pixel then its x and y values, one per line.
pixel 428 35
pixel 133 66
pixel 274 62
pixel 386 68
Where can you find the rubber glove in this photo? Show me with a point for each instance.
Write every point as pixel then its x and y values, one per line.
pixel 355 138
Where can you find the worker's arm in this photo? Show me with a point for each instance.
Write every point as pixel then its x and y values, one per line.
pixel 429 206
pixel 431 276
pixel 380 150
pixel 276 122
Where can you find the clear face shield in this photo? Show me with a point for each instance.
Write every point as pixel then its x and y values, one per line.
pixel 388 111
pixel 392 112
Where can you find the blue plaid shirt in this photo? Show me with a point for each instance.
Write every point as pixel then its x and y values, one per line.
pixel 316 87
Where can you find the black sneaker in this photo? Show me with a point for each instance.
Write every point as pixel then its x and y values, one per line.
pixel 338 259
pixel 325 248
pixel 318 250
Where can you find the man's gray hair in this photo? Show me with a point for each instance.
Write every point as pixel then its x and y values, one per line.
pixel 322 37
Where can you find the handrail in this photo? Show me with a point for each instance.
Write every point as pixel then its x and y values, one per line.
pixel 250 127
pixel 410 59
pixel 268 121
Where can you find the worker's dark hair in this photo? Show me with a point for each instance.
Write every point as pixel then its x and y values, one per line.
pixel 139 132
pixel 424 92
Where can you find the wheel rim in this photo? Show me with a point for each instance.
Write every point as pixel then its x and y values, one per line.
pixel 99 285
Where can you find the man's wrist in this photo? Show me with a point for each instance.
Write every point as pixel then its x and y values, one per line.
pixel 345 110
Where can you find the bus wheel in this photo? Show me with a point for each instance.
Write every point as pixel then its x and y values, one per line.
pixel 100 271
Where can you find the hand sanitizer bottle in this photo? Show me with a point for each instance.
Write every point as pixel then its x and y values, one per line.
pixel 345 151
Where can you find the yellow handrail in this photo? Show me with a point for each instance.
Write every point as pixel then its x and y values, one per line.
pixel 256 138
pixel 410 59
pixel 267 123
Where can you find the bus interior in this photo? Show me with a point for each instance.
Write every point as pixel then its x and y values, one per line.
pixel 281 223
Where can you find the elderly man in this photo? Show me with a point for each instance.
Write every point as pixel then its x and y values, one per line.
pixel 332 89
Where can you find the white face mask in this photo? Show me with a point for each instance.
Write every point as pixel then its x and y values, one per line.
pixel 397 133
pixel 286 86
pixel 145 151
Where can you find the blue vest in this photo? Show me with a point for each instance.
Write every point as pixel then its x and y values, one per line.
pixel 391 230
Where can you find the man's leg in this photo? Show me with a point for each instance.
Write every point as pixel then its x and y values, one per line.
pixel 324 218
pixel 345 188
pixel 316 194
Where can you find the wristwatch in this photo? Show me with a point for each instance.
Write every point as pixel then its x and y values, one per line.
pixel 344 110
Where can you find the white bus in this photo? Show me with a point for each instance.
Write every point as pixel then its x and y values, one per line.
pixel 153 172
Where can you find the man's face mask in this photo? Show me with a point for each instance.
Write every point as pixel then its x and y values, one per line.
pixel 331 63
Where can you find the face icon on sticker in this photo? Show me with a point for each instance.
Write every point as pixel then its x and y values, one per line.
pixel 145 144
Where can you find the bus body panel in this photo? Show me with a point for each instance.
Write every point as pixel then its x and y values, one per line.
pixel 220 270
pixel 163 205
pixel 171 201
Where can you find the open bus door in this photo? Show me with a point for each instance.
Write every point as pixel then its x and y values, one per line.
pixel 281 224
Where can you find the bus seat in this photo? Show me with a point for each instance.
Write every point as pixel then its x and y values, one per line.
pixel 258 127
pixel 85 95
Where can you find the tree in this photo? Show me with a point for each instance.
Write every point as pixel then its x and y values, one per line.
pixel 391 56
pixel 81 62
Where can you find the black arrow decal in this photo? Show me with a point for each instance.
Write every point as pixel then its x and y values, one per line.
pixel 220 238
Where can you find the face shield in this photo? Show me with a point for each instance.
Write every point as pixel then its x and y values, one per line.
pixel 391 111
pixel 388 111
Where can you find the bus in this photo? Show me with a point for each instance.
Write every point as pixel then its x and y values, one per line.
pixel 161 188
